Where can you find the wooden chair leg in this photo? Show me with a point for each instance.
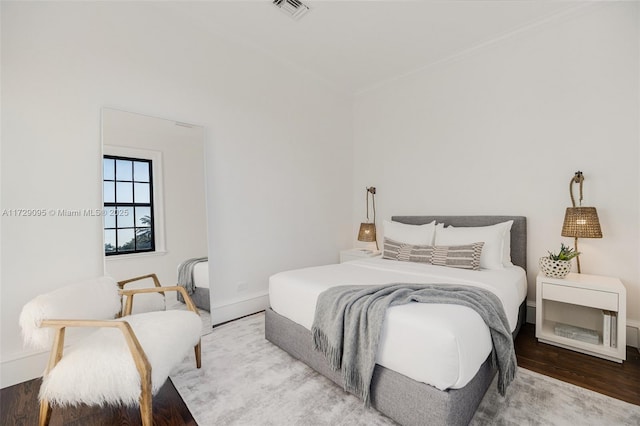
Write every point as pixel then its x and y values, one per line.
pixel 45 412
pixel 198 350
pixel 54 357
pixel 146 407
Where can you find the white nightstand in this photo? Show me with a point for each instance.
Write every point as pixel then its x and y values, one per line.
pixel 357 253
pixel 581 300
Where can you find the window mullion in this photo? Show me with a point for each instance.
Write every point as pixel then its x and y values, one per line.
pixel 133 206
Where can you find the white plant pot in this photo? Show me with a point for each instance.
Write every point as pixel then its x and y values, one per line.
pixel 554 268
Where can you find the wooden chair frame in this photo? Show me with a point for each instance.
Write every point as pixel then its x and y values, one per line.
pixel 139 357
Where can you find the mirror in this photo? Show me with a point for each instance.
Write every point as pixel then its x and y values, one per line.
pixel 154 185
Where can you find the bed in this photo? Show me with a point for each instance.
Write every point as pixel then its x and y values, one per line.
pixel 448 388
pixel 197 270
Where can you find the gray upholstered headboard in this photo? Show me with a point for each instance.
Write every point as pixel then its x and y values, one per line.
pixel 518 229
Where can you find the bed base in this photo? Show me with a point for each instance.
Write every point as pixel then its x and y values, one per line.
pixel 201 298
pixel 400 398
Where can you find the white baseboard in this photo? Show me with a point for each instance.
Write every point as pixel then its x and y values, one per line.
pixel 633 327
pixel 239 308
pixel 633 334
pixel 22 369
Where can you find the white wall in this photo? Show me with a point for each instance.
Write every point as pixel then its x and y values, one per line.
pixel 278 146
pixel 502 129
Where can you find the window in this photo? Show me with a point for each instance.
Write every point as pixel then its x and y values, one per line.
pixel 128 205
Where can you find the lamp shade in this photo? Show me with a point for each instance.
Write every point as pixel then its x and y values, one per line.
pixel 581 222
pixel 367 232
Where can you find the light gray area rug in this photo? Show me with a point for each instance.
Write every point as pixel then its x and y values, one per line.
pixel 247 381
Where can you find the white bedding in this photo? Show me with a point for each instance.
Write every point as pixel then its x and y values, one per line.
pixel 441 345
pixel 201 274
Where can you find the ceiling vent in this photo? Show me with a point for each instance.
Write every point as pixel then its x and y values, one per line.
pixel 293 8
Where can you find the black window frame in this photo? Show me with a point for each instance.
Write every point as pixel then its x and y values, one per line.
pixel 117 206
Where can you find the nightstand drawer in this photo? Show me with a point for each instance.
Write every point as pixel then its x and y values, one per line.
pixel 580 296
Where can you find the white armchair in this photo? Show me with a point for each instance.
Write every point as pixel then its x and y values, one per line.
pixel 125 359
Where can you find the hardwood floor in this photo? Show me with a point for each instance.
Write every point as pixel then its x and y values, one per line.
pixel 19 403
pixel 620 381
pixel 19 407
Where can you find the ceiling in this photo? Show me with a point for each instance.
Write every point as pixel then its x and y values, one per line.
pixel 356 45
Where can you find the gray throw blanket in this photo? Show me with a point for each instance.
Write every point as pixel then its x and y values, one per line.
pixel 348 320
pixel 185 275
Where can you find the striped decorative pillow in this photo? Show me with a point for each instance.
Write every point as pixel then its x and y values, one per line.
pixel 464 256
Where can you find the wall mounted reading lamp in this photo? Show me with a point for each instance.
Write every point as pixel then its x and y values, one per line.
pixel 580 222
pixel 367 231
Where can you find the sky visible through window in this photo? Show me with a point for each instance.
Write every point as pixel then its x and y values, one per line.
pixel 128 214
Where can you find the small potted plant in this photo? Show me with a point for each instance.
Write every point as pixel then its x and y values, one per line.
pixel 558 265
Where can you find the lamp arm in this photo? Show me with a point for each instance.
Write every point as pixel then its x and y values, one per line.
pixel 577 178
pixel 575 242
pixel 373 202
pixel 367 195
pixel 372 190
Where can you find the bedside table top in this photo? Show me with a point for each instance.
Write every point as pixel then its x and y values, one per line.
pixel 594 282
pixel 361 252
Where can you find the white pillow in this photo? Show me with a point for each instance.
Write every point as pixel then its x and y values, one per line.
pixel 410 234
pixel 496 253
